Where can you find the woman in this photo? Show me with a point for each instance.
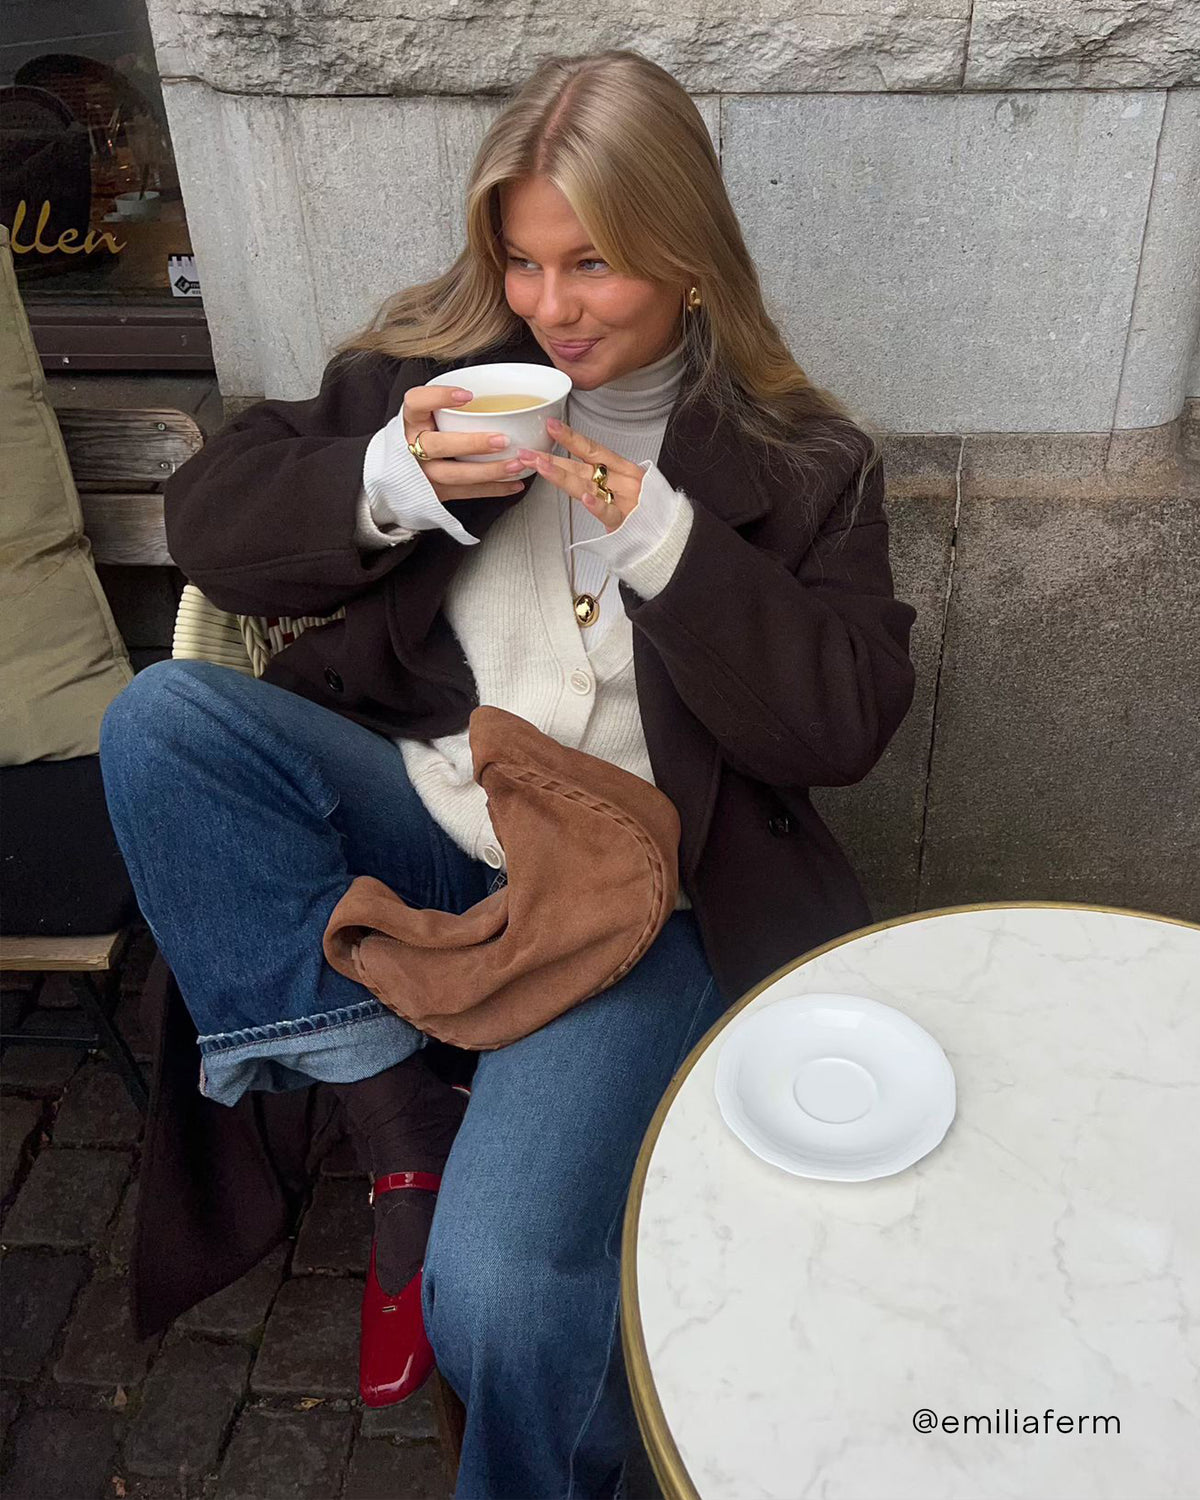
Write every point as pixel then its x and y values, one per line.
pixel 751 647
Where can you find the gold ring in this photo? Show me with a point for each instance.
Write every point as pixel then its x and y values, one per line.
pixel 417 451
pixel 600 480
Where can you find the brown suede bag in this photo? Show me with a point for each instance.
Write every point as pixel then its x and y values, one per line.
pixel 593 875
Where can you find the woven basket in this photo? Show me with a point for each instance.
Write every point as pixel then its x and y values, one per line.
pixel 244 642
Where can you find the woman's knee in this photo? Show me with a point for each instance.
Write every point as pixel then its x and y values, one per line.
pixel 151 698
pixel 155 702
pixel 154 713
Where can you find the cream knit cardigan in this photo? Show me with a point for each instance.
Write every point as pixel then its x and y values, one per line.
pixel 510 603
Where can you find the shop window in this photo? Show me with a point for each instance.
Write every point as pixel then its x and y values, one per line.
pixel 89 191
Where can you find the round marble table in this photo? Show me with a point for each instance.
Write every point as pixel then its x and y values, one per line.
pixel 1037 1273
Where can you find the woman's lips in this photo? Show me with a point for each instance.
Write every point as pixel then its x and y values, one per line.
pixel 573 351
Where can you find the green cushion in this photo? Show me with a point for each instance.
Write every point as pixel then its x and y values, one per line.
pixel 62 660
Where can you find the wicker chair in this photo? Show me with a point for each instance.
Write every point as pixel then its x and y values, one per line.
pixel 244 642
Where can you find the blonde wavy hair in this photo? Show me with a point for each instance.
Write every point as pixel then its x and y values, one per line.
pixel 623 142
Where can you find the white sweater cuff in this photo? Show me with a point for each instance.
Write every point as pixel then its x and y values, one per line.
pixel 397 499
pixel 645 548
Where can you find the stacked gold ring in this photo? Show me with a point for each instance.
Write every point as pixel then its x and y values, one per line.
pixel 416 450
pixel 600 480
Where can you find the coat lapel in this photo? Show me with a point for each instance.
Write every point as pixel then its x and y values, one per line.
pixel 702 456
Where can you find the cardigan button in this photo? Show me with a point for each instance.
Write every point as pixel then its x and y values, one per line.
pixel 334 681
pixel 780 825
pixel 493 856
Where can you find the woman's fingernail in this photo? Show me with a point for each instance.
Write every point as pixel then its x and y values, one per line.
pixel 499 441
pixel 460 395
pixel 553 424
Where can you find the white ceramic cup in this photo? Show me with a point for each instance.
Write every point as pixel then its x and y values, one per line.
pixel 525 428
pixel 137 205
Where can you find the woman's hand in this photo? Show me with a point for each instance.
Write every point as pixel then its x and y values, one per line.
pixel 451 477
pixel 574 475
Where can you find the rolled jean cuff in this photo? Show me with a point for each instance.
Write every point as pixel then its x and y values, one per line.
pixel 340 1046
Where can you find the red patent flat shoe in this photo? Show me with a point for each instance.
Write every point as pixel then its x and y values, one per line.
pixel 394 1354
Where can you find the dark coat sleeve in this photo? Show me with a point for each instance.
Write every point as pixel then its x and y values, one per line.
pixel 801 674
pixel 262 519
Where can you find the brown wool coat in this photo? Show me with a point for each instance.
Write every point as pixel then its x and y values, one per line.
pixel 775 659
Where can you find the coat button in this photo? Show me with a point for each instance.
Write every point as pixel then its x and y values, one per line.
pixel 334 681
pixel 493 856
pixel 780 825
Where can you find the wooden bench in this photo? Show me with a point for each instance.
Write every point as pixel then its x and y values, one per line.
pixel 119 460
pixel 92 966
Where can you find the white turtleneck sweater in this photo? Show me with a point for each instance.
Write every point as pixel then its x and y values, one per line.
pixel 510 603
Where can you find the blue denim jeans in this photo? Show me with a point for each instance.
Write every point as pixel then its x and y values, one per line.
pixel 243 812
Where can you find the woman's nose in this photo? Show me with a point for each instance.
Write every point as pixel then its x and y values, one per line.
pixel 554 309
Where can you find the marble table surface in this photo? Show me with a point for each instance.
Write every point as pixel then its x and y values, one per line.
pixel 1042 1263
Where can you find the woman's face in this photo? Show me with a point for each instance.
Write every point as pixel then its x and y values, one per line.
pixel 566 294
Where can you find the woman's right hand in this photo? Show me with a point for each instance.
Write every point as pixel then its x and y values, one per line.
pixel 451 477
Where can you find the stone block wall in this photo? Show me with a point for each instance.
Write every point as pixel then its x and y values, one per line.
pixel 979 217
pixel 1050 751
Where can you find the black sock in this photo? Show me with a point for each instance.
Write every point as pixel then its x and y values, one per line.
pixel 403 1120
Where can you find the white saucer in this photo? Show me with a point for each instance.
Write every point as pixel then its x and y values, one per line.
pixel 835 1086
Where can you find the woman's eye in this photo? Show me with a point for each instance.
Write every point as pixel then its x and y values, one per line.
pixel 515 260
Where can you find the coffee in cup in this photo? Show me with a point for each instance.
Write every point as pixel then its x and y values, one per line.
pixel 513 398
pixel 500 403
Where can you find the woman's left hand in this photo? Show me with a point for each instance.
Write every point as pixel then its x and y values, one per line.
pixel 574 475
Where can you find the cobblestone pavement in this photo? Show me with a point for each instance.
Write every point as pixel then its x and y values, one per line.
pixel 250 1396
